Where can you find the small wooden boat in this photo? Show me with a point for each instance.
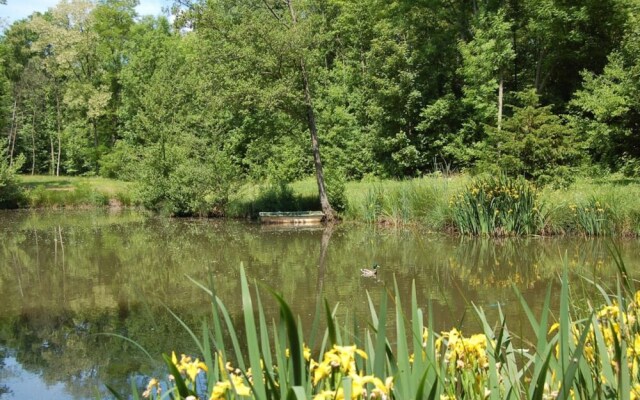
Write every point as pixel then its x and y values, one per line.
pixel 292 217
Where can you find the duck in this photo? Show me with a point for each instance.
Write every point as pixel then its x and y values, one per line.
pixel 370 273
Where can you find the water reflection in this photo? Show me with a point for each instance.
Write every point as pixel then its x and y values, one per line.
pixel 67 277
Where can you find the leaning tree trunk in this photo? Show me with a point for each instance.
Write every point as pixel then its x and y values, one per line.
pixel 315 144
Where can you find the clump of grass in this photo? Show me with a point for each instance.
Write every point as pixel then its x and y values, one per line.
pixel 593 217
pixel 399 203
pixel 74 192
pixel 75 196
pixel 617 197
pixel 498 206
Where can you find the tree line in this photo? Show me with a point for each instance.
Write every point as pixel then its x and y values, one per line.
pixel 274 90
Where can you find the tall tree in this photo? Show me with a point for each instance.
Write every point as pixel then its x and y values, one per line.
pixel 607 107
pixel 487 59
pixel 267 49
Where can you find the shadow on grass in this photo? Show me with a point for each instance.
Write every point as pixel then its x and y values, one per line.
pixel 48 184
pixel 623 181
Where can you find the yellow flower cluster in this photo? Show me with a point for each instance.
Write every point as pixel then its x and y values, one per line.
pixel 234 382
pixel 463 353
pixel 614 325
pixel 152 386
pixel 339 362
pixel 187 366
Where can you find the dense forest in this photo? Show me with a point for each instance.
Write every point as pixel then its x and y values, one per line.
pixel 275 90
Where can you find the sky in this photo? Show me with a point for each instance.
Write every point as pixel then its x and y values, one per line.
pixel 18 9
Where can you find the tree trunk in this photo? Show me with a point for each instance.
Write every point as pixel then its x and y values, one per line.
pixel 500 100
pixel 59 123
pixel 313 130
pixel 33 142
pixel 52 169
pixel 12 135
pixel 96 156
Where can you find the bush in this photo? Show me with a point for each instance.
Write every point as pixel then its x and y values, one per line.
pixel 186 180
pixel 11 195
pixel 336 183
pixel 121 163
pixel 498 206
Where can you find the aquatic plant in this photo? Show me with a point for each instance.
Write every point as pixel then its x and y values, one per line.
pixel 591 352
pixel 593 217
pixel 498 206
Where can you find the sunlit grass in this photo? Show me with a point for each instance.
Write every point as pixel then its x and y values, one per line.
pixel 43 191
pixel 591 207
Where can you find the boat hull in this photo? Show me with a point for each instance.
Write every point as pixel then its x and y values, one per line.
pixel 292 218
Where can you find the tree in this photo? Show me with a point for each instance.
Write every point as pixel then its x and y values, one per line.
pixel 486 59
pixel 266 57
pixel 607 107
pixel 10 190
pixel 533 142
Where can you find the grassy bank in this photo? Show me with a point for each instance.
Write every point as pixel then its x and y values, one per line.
pixel 591 207
pixel 459 204
pixel 42 191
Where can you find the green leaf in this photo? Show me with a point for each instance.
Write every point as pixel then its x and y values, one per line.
pixel 295 346
pixel 252 336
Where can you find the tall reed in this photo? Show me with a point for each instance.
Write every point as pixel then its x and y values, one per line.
pixel 498 206
pixel 586 353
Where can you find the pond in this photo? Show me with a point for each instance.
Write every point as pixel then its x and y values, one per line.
pixel 75 284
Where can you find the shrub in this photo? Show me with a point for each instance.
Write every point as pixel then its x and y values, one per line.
pixel 186 180
pixel 121 163
pixel 534 143
pixel 335 184
pixel 498 206
pixel 11 195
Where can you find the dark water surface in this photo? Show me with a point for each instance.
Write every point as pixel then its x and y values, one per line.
pixel 69 278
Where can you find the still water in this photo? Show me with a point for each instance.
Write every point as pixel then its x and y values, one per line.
pixel 73 284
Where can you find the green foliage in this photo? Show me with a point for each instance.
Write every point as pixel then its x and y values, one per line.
pixel 185 180
pixel 394 89
pixel 533 142
pixel 607 112
pixel 498 206
pixel 587 352
pixel 11 195
pixel 121 163
pixel 594 217
pixel 336 182
pixel 486 59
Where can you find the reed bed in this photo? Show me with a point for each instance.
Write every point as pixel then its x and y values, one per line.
pixel 588 352
pixel 498 206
